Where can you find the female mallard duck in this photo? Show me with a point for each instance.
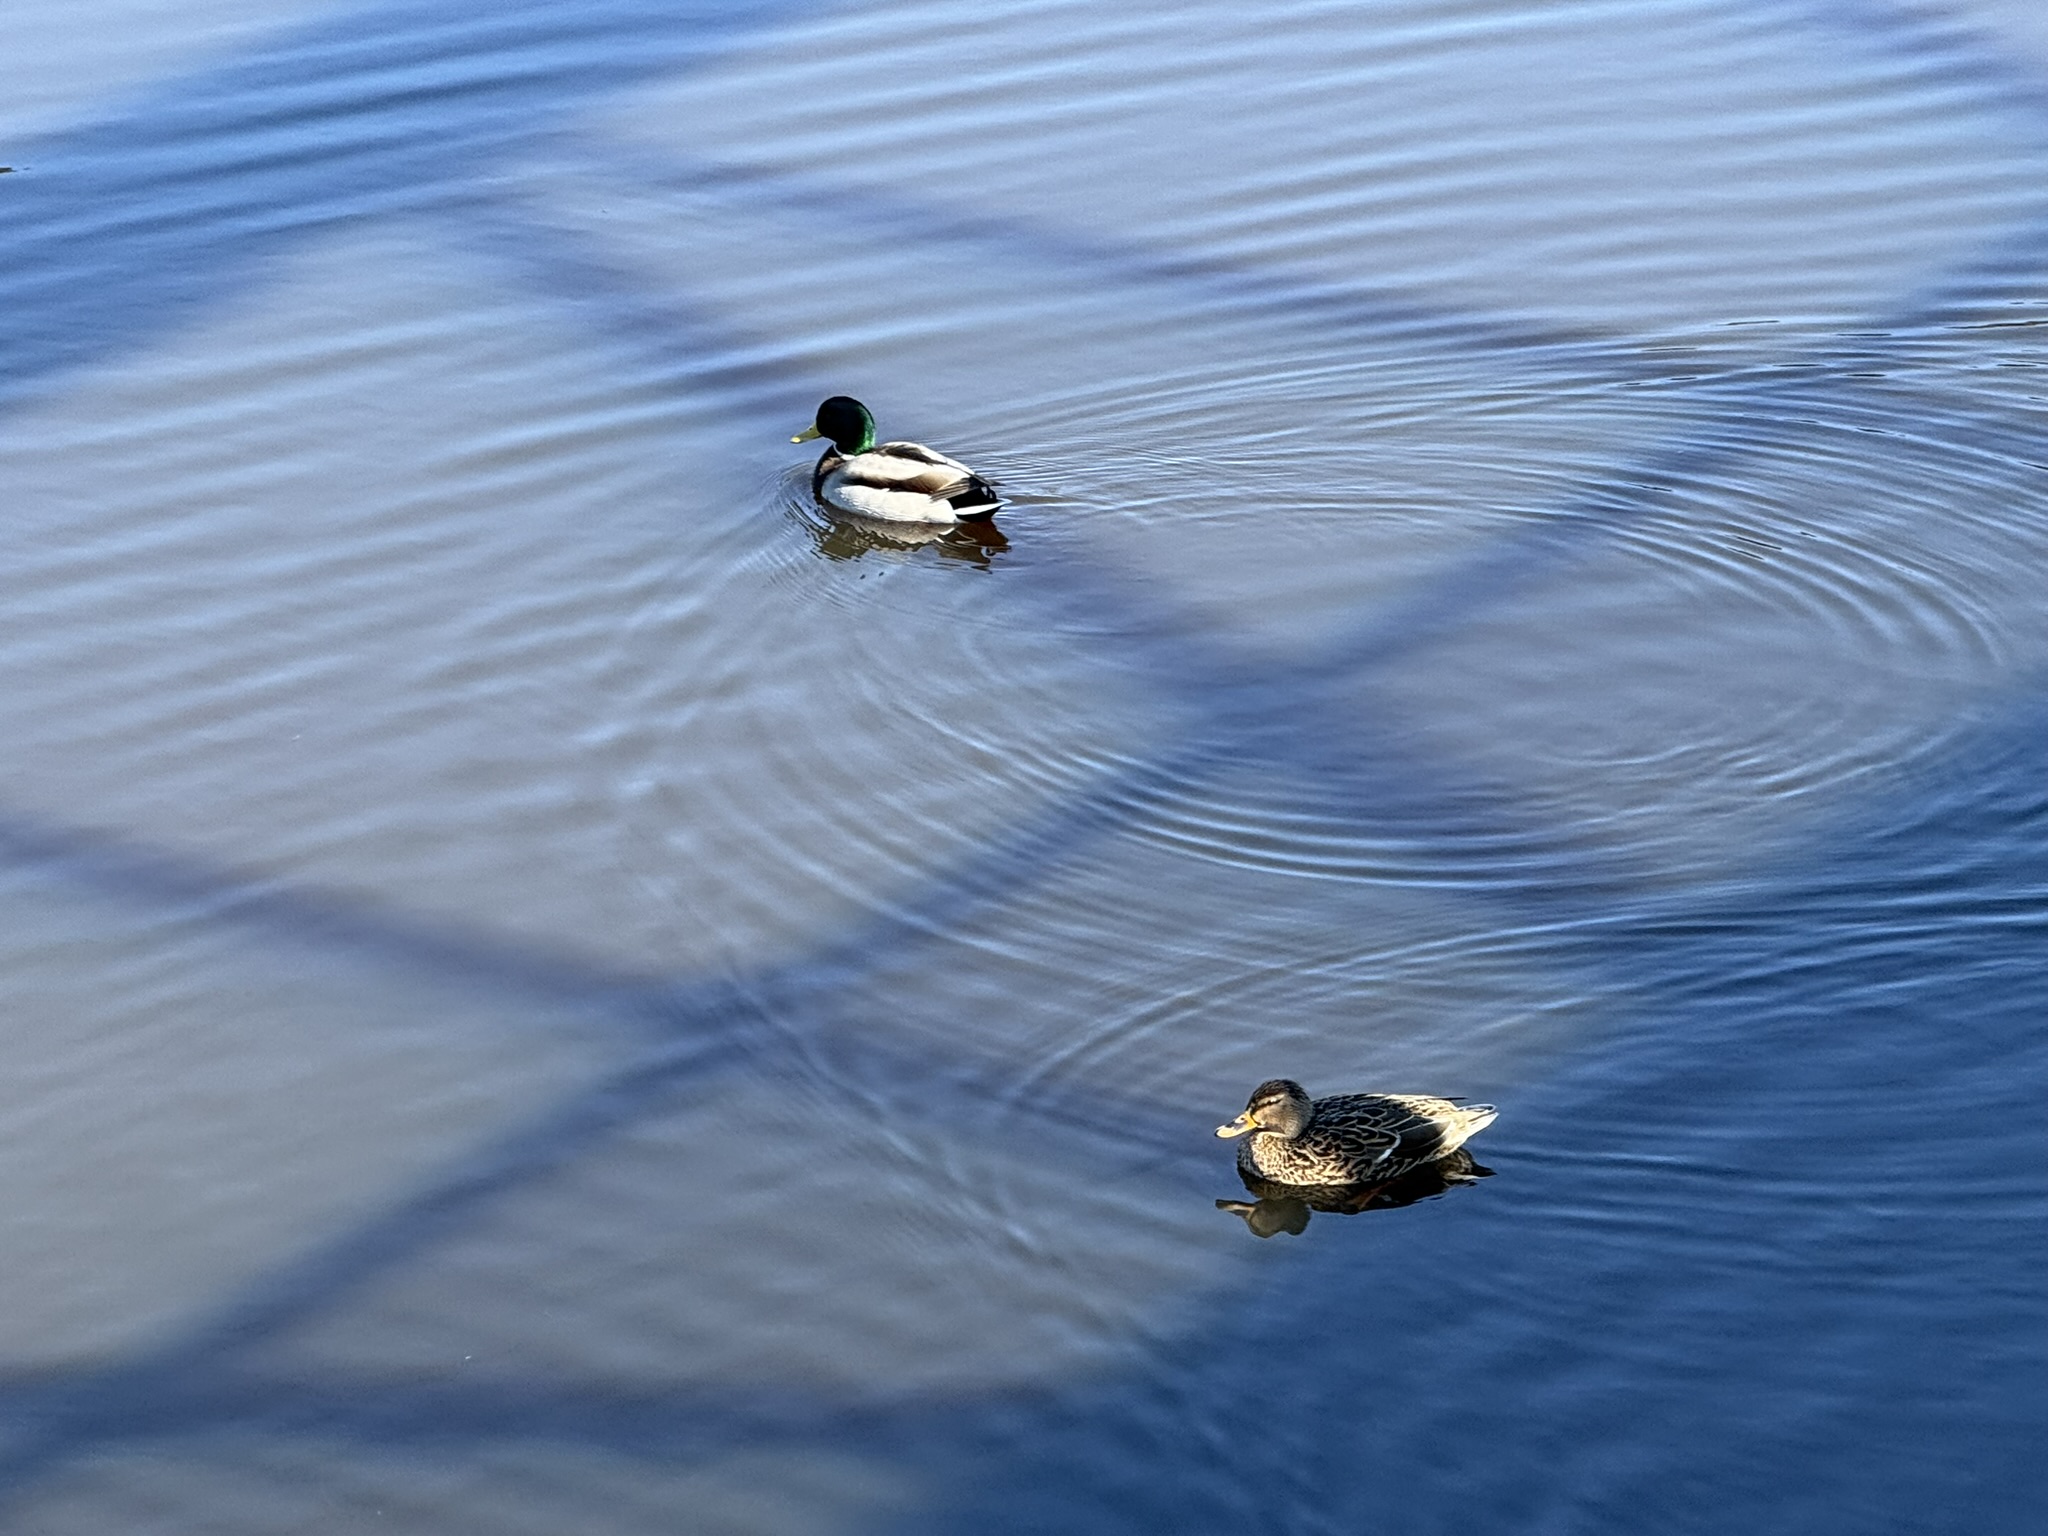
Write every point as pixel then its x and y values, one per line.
pixel 1352 1138
pixel 890 482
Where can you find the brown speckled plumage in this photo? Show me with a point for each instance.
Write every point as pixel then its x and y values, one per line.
pixel 1349 1138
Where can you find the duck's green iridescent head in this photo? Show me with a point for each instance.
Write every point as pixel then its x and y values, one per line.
pixel 1281 1105
pixel 846 422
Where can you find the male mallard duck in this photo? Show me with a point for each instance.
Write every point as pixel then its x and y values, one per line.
pixel 890 482
pixel 1352 1138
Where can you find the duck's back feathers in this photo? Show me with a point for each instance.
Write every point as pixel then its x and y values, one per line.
pixel 903 482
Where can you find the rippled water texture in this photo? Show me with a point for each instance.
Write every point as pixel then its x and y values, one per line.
pixel 550 988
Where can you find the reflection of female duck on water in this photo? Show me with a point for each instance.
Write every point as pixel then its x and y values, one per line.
pixel 1286 1207
pixel 1347 1153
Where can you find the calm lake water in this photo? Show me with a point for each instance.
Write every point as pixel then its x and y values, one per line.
pixel 548 989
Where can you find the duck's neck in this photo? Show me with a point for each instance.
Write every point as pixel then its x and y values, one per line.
pixel 856 436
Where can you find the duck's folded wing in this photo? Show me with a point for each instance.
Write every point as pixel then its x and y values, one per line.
pixel 1381 1125
pixel 910 467
pixel 1360 1143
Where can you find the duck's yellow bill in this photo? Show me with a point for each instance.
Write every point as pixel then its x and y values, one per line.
pixel 1236 1127
pixel 806 435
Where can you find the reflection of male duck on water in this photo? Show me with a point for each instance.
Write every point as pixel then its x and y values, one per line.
pixel 845 538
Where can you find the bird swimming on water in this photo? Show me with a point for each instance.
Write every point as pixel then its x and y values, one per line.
pixel 1349 1138
pixel 890 482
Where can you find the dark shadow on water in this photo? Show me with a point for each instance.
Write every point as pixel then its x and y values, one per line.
pixel 186 194
pixel 1276 1208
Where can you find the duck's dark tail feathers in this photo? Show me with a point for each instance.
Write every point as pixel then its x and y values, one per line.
pixel 977 498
